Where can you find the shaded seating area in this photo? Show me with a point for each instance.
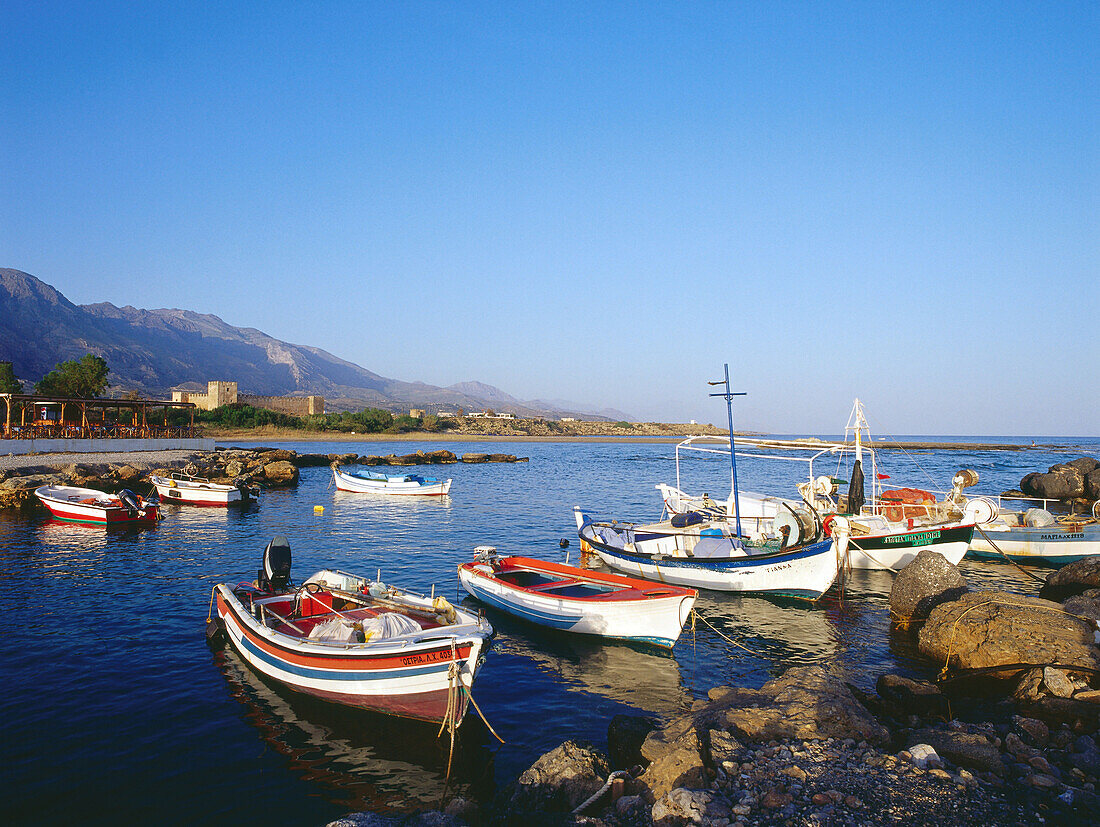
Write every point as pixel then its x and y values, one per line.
pixel 28 416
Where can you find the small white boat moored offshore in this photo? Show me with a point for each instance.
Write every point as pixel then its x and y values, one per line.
pixel 371 482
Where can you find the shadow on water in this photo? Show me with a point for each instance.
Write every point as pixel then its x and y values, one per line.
pixel 363 760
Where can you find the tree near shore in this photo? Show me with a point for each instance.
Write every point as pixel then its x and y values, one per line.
pixel 83 378
pixel 8 382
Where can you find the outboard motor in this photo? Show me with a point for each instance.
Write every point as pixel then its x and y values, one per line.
pixel 275 575
pixel 242 485
pixel 130 501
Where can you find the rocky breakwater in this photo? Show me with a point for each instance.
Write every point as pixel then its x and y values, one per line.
pixel 268 467
pixel 442 457
pixel 1006 733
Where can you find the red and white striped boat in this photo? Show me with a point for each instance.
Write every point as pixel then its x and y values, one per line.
pixel 354 641
pixel 86 505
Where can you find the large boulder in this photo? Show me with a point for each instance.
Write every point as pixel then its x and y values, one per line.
pixel 962 748
pixel 675 759
pixel 804 703
pixel 1092 485
pixel 475 457
pixel 275 455
pixel 281 472
pixel 559 781
pixel 1064 481
pixel 926 582
pixel 441 457
pixel 1076 578
pixel 988 628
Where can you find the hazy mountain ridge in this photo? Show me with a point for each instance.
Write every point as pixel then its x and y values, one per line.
pixel 153 351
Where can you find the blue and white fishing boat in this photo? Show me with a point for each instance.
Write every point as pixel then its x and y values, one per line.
pixel 371 482
pixel 1032 536
pixel 886 530
pixel 790 555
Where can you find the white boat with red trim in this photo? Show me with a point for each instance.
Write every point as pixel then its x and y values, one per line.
pixel 188 490
pixel 87 505
pixel 372 482
pixel 355 641
pixel 578 600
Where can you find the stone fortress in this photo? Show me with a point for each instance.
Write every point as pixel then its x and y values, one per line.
pixel 225 393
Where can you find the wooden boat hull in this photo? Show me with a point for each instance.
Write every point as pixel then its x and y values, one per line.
pixel 86 505
pixel 362 485
pixel 1056 545
pixel 187 492
pixel 405 679
pixel 893 550
pixel 655 614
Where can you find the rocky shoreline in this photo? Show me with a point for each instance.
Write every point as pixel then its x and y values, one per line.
pixel 267 467
pixel 1007 734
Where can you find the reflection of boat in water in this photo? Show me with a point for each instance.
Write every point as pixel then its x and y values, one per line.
pixel 364 760
pixel 637 675
pixel 770 629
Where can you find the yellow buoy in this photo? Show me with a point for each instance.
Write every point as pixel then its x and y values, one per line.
pixel 318 509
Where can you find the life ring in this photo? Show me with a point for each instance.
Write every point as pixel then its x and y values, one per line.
pixel 827 525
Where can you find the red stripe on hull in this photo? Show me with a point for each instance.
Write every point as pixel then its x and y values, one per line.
pixel 369 661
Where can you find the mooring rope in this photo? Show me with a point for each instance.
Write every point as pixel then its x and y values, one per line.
pixel 955 625
pixel 997 549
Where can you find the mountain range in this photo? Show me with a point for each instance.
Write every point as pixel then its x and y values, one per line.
pixel 154 351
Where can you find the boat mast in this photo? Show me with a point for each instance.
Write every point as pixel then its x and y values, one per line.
pixel 733 453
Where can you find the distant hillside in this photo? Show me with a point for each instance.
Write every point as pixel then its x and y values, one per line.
pixel 153 351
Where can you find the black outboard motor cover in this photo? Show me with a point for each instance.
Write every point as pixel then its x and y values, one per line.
pixel 129 499
pixel 687 519
pixel 275 574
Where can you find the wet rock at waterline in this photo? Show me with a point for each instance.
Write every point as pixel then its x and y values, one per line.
pixel 926 582
pixel 1075 578
pixel 988 628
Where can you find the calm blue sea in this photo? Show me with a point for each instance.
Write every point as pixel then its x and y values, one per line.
pixel 116 709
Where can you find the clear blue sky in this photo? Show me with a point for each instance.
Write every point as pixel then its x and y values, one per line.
pixel 600 202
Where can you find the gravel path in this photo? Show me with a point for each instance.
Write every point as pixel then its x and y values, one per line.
pixel 141 460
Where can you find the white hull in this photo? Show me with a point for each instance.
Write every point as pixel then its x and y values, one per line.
pixel 191 492
pixel 657 620
pixel 1055 545
pixel 392 485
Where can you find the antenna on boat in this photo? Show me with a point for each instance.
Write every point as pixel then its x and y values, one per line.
pixel 728 395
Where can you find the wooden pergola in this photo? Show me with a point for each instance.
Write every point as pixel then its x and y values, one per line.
pixel 57 417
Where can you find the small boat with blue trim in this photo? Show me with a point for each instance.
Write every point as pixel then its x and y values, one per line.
pixel 372 482
pixel 355 641
pixel 578 600
pixel 688 550
pixel 1032 536
pixel 789 555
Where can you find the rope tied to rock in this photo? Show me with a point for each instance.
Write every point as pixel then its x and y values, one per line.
pixel 994 602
